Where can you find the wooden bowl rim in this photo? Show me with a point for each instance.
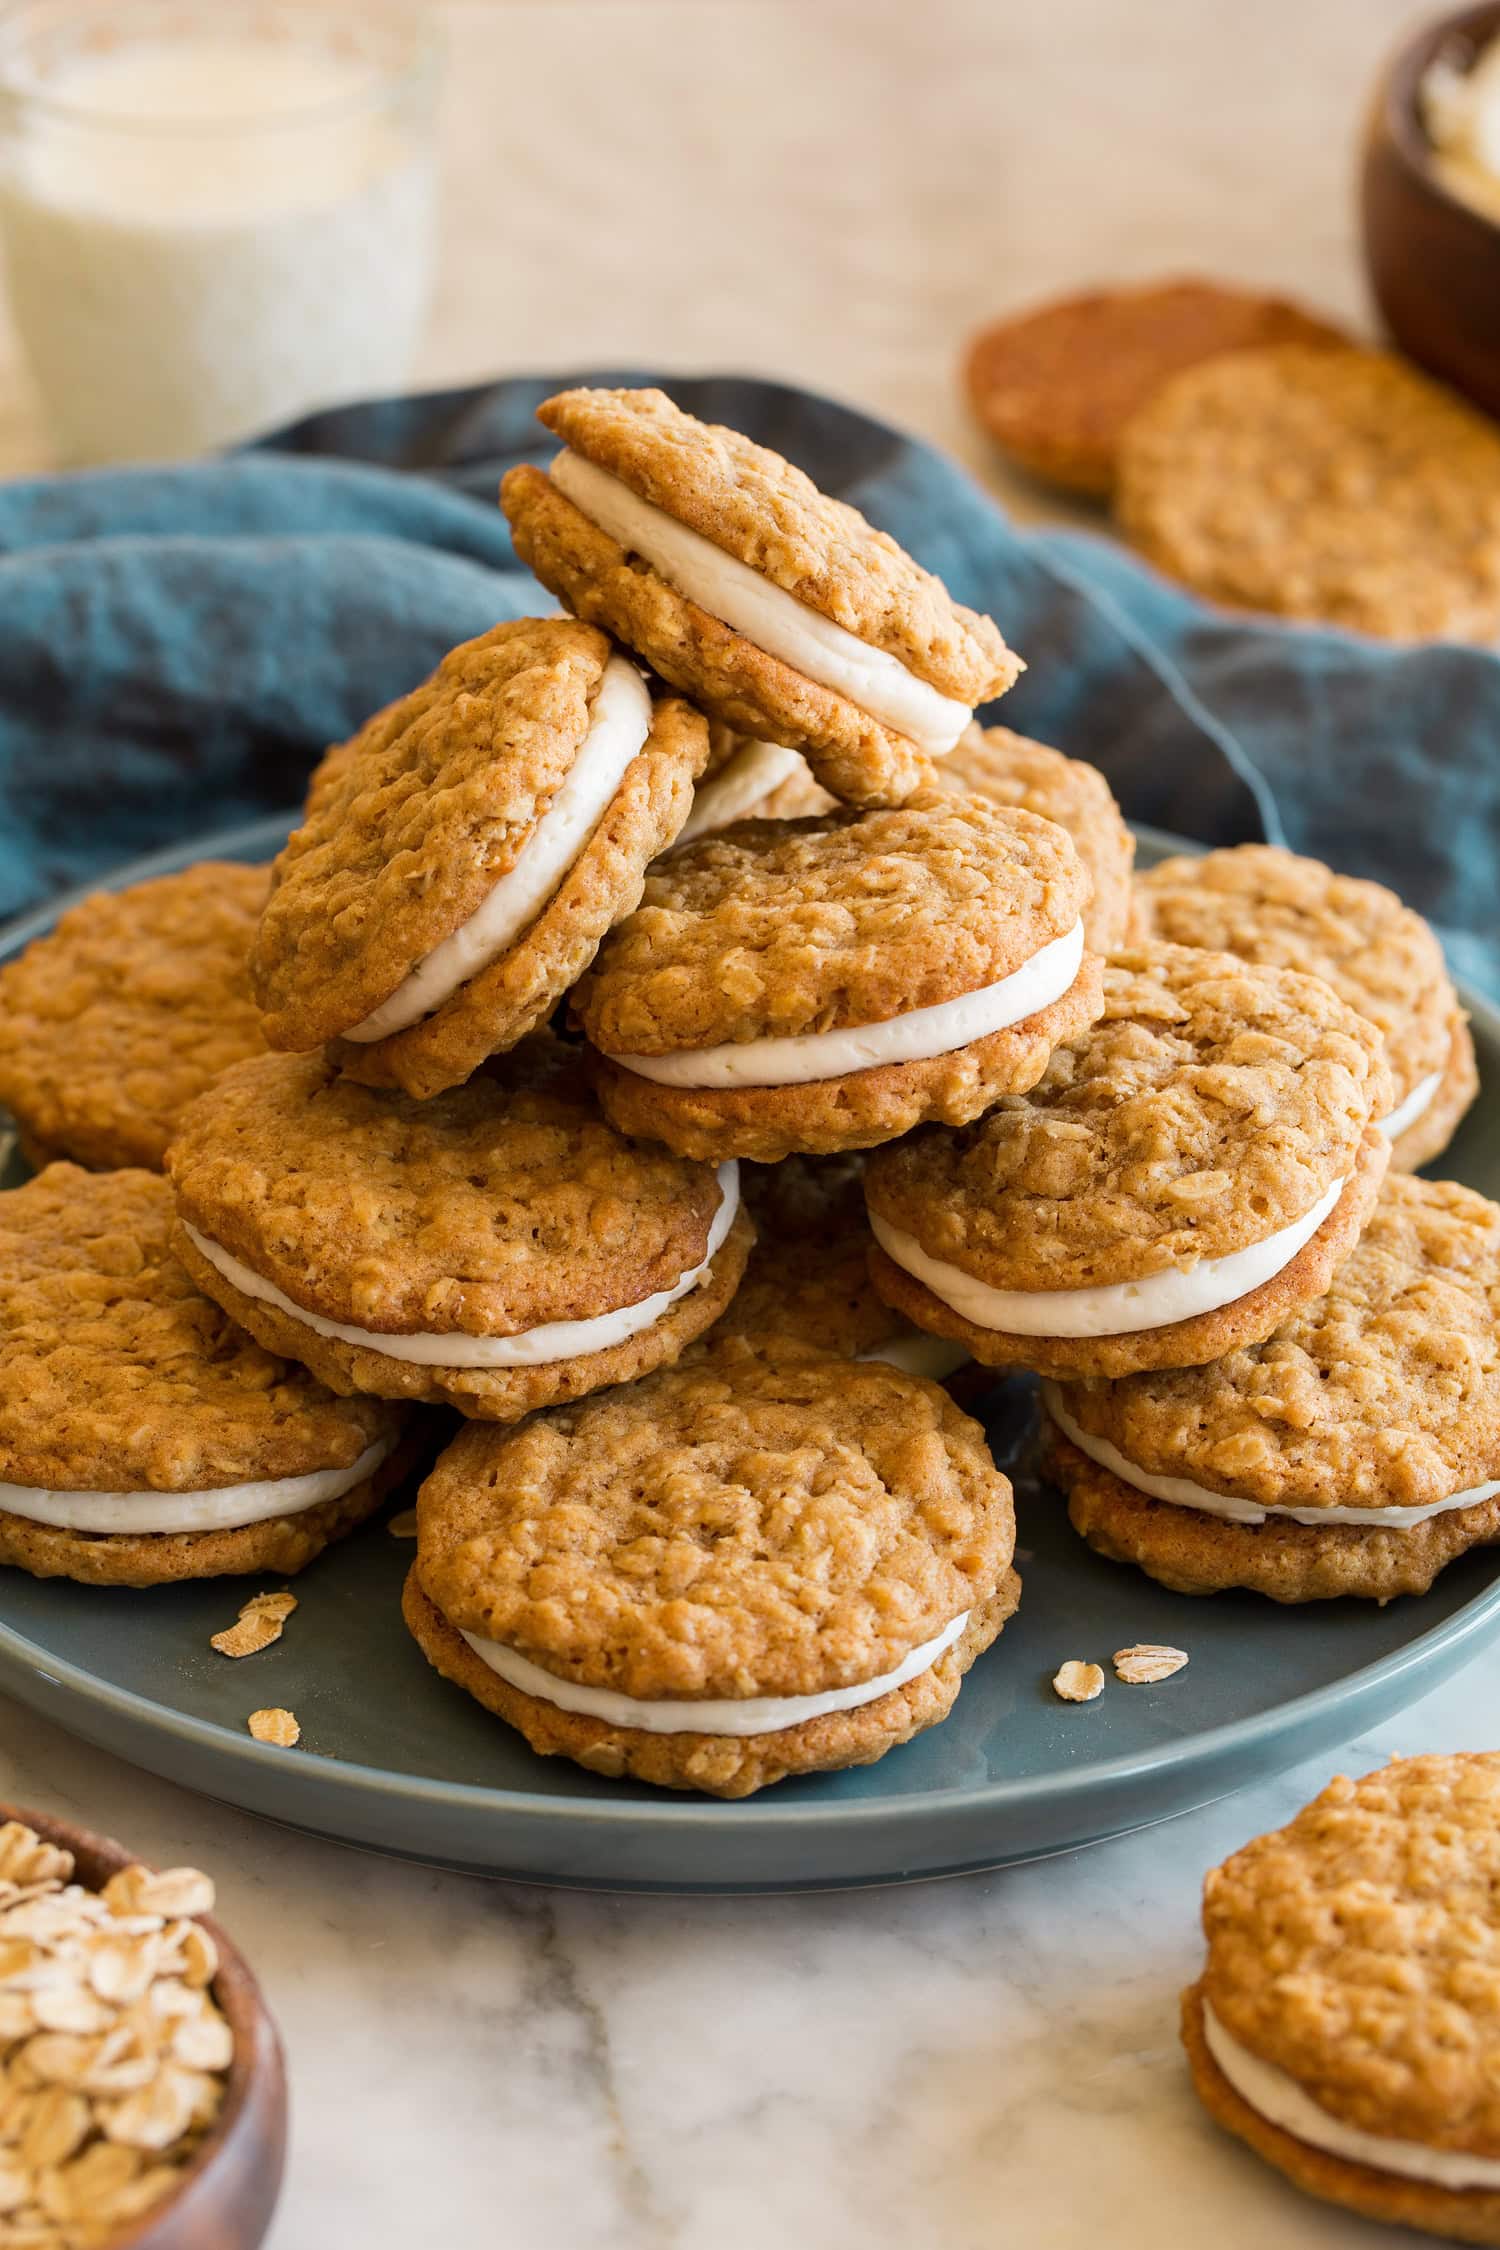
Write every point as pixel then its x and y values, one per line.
pixel 257 2046
pixel 1396 104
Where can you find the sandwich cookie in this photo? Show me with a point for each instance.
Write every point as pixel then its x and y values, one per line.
pixel 821 985
pixel 1340 486
pixel 1187 1172
pixel 497 1248
pixel 746 780
pixel 1347 2022
pixel 1356 1450
pixel 809 1272
pixel 145 1438
pixel 782 612
pixel 752 1565
pixel 460 861
pixel 1011 770
pixel 120 1017
pixel 1271 906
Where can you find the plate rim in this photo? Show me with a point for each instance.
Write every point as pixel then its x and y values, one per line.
pixel 23 1661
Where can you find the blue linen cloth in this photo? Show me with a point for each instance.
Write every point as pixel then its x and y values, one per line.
pixel 177 645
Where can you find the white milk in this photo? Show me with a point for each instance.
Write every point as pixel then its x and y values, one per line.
pixel 208 235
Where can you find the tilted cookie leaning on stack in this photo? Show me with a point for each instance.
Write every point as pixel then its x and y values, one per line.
pixel 779 611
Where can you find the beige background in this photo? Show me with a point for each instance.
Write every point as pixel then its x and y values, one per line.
pixel 837 191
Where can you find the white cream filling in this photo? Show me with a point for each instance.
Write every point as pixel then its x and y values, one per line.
pixel 1275 2095
pixel 916 1036
pixel 618 728
pixel 916 1354
pixel 1407 1112
pixel 741 1715
pixel 534 1347
pixel 1114 1308
pixel 1183 1493
pixel 225 1507
pixel 750 774
pixel 871 678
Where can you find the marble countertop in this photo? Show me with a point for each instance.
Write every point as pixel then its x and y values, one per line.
pixel 834 191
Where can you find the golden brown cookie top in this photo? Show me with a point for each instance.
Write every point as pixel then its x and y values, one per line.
pixel 1358 1950
pixel 1011 770
pixel 501 1205
pixel 117 1376
pixel 408 831
pixel 755 1523
pixel 1335 485
pixel 809 1273
pixel 755 506
pixel 1272 906
pixel 784 927
pixel 133 1004
pixel 1056 385
pixel 1212 1104
pixel 1383 1393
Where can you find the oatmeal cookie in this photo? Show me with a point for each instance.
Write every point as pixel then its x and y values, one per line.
pixel 782 612
pixel 749 780
pixel 1188 1171
pixel 115 1021
pixel 754 1526
pixel 1012 770
pixel 1056 386
pixel 821 985
pixel 1346 2025
pixel 1270 906
pixel 460 861
pixel 1340 486
pixel 1326 1459
pixel 144 1437
pixel 497 1248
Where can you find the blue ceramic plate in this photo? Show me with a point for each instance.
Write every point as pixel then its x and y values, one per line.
pixel 394 1759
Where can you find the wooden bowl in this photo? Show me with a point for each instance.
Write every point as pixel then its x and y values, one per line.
pixel 229 2192
pixel 1433 263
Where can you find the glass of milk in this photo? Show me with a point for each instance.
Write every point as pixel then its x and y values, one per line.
pixel 216 214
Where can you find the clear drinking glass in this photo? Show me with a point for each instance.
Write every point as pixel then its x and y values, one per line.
pixel 216 214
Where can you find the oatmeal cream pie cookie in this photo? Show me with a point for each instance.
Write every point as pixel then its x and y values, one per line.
pixel 460 861
pixel 1268 905
pixel 756 1564
pixel 1347 2022
pixel 143 1437
pixel 749 780
pixel 1012 770
pixel 1356 1450
pixel 1340 486
pixel 783 613
pixel 1187 1172
pixel 115 1021
pixel 497 1248
pixel 809 1272
pixel 820 985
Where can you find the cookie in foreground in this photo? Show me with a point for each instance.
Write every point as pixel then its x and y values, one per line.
pixel 119 1017
pixel 1340 487
pixel 1056 385
pixel 1347 2022
pixel 821 985
pixel 459 861
pixel 1273 906
pixel 144 1437
pixel 780 611
pixel 1011 770
pixel 752 1565
pixel 497 1248
pixel 1355 1451
pixel 1191 1168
